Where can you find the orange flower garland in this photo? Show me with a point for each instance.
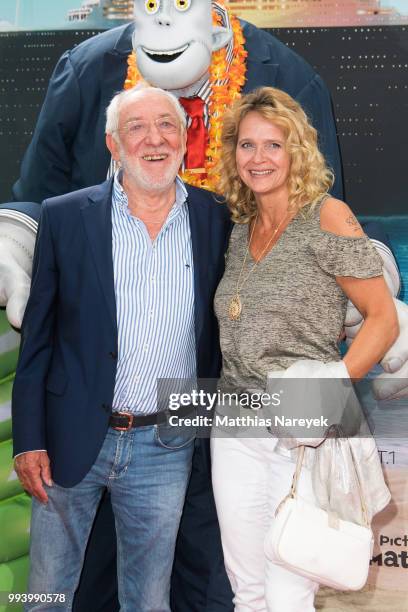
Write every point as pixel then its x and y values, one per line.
pixel 226 84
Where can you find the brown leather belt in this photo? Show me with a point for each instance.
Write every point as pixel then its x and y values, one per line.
pixel 124 421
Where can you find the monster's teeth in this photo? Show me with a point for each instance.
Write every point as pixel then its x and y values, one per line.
pixel 157 52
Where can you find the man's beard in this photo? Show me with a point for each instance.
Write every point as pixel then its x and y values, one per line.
pixel 143 180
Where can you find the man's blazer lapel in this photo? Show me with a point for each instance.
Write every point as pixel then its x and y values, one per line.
pixel 96 216
pixel 200 233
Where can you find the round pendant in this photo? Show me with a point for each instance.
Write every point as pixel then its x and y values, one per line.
pixel 235 308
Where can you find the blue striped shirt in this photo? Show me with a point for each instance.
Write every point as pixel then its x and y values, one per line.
pixel 154 290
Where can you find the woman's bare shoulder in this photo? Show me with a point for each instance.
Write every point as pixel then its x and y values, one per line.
pixel 337 217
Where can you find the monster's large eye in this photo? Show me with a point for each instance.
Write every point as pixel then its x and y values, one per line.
pixel 182 5
pixel 152 6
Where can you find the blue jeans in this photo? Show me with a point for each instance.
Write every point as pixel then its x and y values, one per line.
pixel 147 476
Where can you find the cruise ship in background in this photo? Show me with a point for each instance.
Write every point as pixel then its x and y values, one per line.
pixel 101 13
pixel 319 13
pixel 104 14
pixel 264 13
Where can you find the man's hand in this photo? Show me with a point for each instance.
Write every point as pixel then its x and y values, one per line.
pixel 33 469
pixel 16 256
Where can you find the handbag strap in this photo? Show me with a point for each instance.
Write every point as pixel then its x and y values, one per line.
pixel 295 479
pixel 298 469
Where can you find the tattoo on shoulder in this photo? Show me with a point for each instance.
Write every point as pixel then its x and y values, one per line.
pixel 352 221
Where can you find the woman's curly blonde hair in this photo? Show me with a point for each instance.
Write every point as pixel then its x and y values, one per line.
pixel 309 177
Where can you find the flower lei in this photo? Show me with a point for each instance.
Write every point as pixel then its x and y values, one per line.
pixel 226 84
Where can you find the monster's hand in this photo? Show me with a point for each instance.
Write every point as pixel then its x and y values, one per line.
pixel 394 382
pixel 16 258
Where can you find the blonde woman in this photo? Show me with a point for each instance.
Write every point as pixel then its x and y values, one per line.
pixel 295 256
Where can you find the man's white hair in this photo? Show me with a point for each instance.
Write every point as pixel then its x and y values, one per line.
pixel 113 110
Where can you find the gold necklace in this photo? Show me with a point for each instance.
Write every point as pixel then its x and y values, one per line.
pixel 235 305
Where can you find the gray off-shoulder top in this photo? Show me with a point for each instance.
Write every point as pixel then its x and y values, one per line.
pixel 292 307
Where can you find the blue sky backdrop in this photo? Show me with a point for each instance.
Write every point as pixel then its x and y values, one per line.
pixel 400 5
pixel 37 13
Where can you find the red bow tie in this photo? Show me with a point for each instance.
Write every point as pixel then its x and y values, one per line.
pixel 197 136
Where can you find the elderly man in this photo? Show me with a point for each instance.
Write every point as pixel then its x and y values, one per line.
pixel 123 279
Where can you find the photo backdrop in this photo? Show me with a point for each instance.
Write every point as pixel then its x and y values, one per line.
pixel 360 48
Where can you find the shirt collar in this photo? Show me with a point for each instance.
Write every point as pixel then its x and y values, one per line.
pixel 119 196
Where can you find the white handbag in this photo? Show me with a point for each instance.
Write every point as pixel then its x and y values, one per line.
pixel 317 544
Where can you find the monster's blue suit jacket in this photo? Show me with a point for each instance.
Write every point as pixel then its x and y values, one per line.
pixel 68 149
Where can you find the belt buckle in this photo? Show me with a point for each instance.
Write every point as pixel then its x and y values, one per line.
pixel 129 417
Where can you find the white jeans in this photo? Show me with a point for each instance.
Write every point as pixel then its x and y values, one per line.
pixel 249 481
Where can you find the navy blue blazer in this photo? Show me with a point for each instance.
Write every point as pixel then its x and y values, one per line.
pixel 65 377
pixel 68 151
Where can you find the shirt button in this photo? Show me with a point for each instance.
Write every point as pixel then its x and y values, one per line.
pixel 146 347
pixel 137 378
pixel 153 278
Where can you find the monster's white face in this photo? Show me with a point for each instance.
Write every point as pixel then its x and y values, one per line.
pixel 174 40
